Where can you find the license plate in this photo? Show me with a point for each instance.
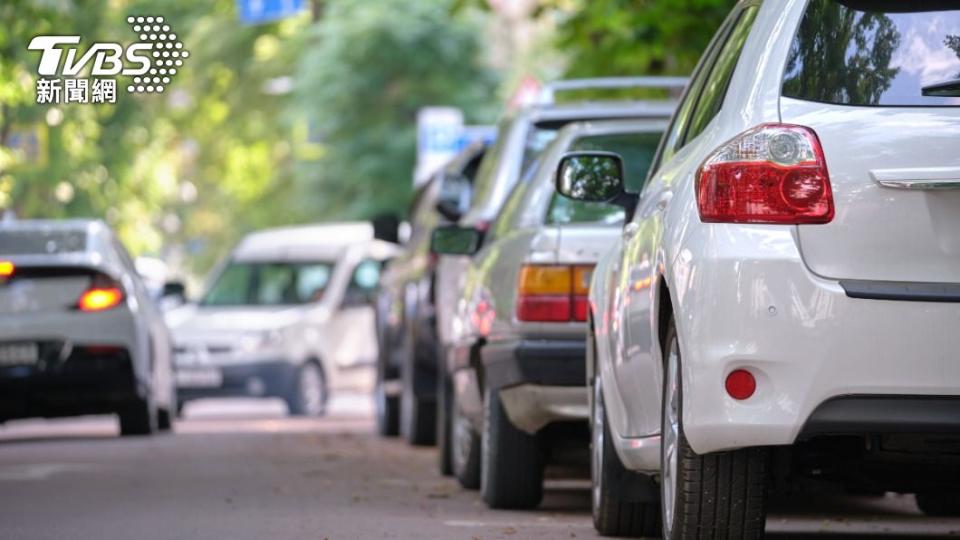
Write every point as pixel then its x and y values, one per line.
pixel 199 378
pixel 19 354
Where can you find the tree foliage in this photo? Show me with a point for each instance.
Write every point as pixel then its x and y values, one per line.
pixel 370 67
pixel 634 37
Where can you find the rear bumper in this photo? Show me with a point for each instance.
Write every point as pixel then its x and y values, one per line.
pixel 77 383
pixel 755 305
pixel 540 381
pixel 539 362
pixel 273 378
pixel 885 415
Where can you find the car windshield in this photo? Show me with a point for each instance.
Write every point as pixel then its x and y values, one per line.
pixel 637 151
pixel 875 53
pixel 269 284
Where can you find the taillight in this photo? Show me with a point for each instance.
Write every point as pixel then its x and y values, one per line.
pixel 773 173
pixel 6 269
pixel 104 293
pixel 553 293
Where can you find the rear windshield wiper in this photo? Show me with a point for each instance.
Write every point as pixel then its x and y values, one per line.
pixel 949 88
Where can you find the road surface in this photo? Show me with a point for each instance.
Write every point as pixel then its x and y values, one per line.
pixel 243 470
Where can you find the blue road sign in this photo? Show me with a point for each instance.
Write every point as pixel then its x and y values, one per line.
pixel 261 11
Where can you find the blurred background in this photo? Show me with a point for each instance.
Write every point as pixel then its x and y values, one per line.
pixel 291 111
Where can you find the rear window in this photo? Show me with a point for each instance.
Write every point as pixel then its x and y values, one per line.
pixel 879 52
pixel 40 242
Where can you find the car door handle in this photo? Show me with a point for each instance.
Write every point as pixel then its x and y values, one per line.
pixel 630 230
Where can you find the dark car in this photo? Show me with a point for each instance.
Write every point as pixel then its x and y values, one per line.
pixel 406 390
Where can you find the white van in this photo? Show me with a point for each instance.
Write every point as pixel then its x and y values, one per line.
pixel 290 314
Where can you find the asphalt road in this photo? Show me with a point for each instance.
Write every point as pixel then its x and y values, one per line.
pixel 242 470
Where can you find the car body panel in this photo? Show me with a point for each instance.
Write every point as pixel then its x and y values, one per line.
pixel 882 232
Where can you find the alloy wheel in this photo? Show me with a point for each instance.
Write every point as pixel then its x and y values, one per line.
pixel 669 447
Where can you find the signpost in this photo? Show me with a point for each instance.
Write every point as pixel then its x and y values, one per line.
pixel 262 11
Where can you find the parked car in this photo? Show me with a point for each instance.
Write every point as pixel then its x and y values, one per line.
pixel 78 332
pixel 521 137
pixel 290 315
pixel 406 321
pixel 523 315
pixel 784 300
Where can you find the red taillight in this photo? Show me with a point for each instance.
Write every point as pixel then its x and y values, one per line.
pixel 100 298
pixel 773 173
pixel 553 293
pixel 740 384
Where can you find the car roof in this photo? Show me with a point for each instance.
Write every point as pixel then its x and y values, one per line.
pixel 74 224
pixel 598 127
pixel 325 241
pixel 598 109
pixel 97 251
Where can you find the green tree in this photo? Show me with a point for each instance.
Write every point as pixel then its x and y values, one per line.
pixel 635 37
pixel 370 67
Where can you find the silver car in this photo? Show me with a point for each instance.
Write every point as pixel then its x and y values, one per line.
pixel 522 313
pixel 289 315
pixel 79 334
pixel 521 137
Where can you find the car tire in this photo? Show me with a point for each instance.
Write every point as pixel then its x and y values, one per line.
pixel 939 504
pixel 308 397
pixel 387 408
pixel 417 419
pixel 444 422
pixel 139 417
pixel 720 494
pixel 511 470
pixel 164 420
pixel 624 503
pixel 464 447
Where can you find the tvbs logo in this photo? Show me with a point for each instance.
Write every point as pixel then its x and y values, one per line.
pixel 152 61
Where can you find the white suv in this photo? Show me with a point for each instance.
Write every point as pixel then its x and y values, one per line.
pixel 784 302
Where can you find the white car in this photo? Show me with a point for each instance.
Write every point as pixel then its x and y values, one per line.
pixel 784 302
pixel 290 315
pixel 79 334
pixel 523 319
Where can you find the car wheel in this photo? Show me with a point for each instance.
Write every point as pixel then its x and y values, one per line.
pixel 465 447
pixel 939 504
pixel 625 503
pixel 444 420
pixel 710 495
pixel 308 397
pixel 388 408
pixel 164 420
pixel 139 417
pixel 418 420
pixel 511 470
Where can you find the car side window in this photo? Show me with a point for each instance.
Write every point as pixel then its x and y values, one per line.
pixel 362 288
pixel 673 140
pixel 715 88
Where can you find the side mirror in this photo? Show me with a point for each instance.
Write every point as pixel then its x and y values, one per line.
pixel 454 196
pixel 590 176
pixel 595 177
pixel 454 240
pixel 174 289
pixel 386 227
